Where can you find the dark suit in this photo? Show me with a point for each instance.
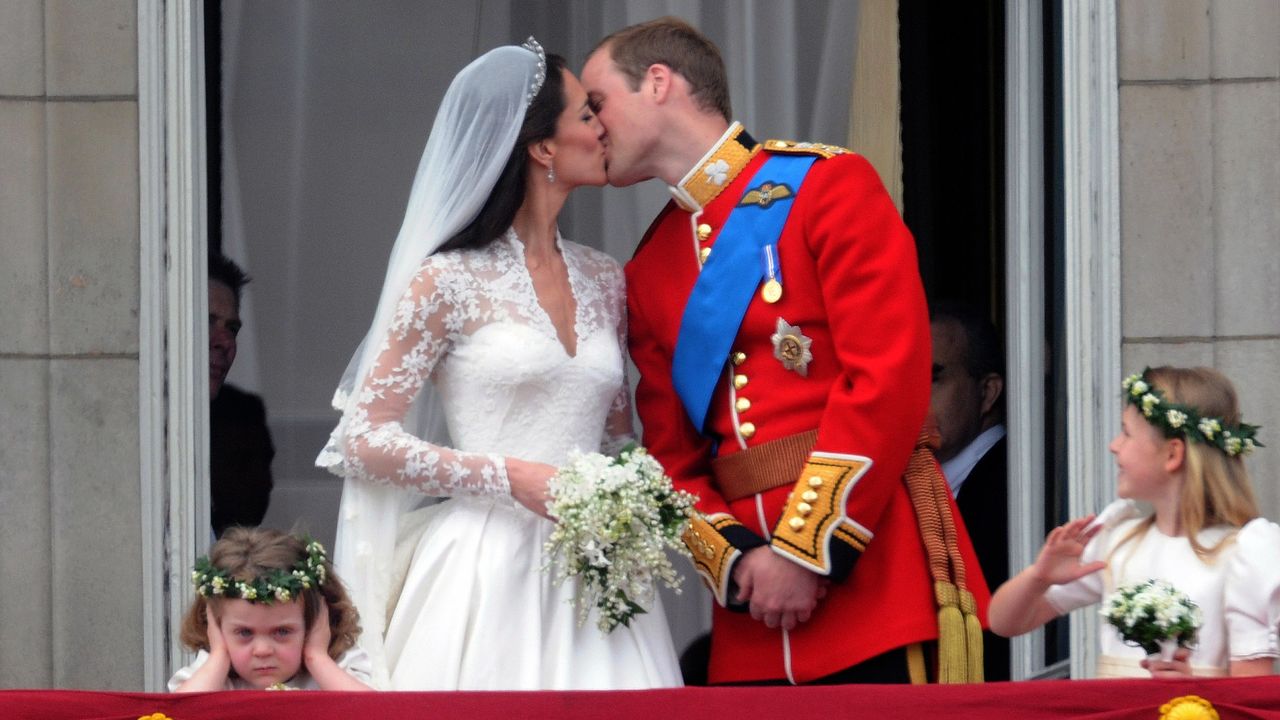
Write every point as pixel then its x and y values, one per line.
pixel 983 501
pixel 240 453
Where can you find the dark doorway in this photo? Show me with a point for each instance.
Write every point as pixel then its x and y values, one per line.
pixel 953 148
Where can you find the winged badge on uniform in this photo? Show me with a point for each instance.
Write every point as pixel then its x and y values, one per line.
pixel 765 195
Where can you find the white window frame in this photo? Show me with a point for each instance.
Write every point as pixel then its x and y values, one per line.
pixel 1025 301
pixel 173 348
pixel 1091 186
pixel 1091 235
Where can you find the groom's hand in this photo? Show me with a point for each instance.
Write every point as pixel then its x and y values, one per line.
pixel 780 592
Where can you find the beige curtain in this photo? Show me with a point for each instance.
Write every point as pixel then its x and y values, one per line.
pixel 875 106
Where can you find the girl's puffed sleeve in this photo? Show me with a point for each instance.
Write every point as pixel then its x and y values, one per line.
pixel 355 661
pixel 1251 599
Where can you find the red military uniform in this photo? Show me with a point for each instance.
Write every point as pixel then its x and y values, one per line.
pixel 851 288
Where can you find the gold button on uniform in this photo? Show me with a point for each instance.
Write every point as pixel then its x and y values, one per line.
pixel 742 405
pixel 739 382
pixel 703 254
pixel 704 231
pixel 809 496
pixel 739 358
pixel 747 429
pixel 804 508
pixel 815 482
pixel 796 523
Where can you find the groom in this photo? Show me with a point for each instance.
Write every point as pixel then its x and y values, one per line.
pixel 780 330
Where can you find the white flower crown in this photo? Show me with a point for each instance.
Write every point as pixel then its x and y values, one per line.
pixel 1175 419
pixel 279 586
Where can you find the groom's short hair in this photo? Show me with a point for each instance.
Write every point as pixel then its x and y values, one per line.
pixel 681 47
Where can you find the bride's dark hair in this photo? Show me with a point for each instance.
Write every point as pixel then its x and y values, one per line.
pixel 539 124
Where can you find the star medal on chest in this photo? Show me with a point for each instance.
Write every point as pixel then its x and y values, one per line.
pixel 791 347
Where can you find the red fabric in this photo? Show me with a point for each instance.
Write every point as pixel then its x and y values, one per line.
pixel 852 285
pixel 1098 699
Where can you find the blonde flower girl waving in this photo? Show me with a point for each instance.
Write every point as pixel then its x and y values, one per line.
pixel 270 615
pixel 1180 450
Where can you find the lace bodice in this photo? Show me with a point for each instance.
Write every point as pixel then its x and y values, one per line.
pixel 471 324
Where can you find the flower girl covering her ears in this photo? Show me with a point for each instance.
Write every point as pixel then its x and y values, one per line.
pixel 270 615
pixel 1180 450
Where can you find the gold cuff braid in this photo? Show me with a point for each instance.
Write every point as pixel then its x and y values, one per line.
pixel 713 556
pixel 815 512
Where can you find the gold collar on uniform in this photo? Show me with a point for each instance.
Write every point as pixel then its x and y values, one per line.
pixel 716 170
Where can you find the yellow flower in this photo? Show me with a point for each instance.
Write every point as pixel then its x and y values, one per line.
pixel 1188 707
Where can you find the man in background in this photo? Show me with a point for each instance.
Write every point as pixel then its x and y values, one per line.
pixel 240 448
pixel 967 406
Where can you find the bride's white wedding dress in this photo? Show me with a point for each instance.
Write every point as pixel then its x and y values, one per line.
pixel 475 610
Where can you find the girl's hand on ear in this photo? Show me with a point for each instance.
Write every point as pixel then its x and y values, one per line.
pixel 212 675
pixel 315 655
pixel 217 643
pixel 318 637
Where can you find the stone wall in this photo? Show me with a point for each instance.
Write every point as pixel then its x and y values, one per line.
pixel 70 614
pixel 1200 199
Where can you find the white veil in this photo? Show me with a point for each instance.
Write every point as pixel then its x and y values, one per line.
pixel 471 140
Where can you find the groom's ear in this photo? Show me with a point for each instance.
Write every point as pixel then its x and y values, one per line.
pixel 657 82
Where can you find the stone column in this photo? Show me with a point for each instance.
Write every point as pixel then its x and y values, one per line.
pixel 70 570
pixel 1200 182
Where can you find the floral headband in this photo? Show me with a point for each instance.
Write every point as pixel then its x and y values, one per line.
pixel 1175 419
pixel 280 585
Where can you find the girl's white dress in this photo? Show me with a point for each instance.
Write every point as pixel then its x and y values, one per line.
pixel 1238 592
pixel 355 661
pixel 475 611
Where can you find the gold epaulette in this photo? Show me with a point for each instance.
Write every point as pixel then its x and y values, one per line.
pixel 713 555
pixel 815 512
pixel 804 148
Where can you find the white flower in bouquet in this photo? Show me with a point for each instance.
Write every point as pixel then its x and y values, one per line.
pixel 1150 612
pixel 615 519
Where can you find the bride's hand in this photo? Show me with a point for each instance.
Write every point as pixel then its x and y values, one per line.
pixel 529 483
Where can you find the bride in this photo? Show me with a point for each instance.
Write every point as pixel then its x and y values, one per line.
pixel 493 331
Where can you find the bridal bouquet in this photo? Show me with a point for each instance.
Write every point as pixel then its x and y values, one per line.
pixel 1153 615
pixel 615 519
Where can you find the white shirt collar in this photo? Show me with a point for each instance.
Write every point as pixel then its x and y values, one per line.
pixel 957 469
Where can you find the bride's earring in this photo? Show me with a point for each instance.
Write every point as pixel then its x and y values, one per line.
pixel 551 173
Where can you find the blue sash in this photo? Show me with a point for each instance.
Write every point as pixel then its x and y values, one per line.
pixel 729 278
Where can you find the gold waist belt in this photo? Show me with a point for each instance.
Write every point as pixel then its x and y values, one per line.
pixel 763 467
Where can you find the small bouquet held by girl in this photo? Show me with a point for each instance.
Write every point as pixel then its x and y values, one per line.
pixel 615 519
pixel 1154 616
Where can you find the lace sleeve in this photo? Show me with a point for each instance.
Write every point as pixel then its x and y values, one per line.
pixel 378 448
pixel 618 430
